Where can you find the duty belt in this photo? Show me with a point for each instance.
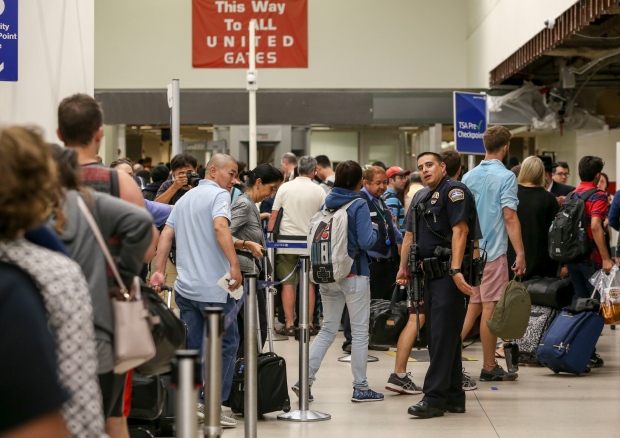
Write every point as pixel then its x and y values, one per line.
pixel 434 267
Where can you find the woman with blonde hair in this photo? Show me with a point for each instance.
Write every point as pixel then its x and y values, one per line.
pixel 536 210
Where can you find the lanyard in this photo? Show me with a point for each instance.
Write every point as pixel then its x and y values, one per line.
pixel 385 223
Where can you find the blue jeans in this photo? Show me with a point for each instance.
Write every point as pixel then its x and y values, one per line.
pixel 580 274
pixel 355 292
pixel 191 314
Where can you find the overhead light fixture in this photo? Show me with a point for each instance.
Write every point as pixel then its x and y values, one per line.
pixel 146 127
pixel 409 128
pixel 205 128
pixel 320 128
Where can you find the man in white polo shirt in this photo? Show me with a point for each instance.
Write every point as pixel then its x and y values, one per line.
pixel 299 199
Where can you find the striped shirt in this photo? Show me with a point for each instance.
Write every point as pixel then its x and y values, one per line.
pixel 394 204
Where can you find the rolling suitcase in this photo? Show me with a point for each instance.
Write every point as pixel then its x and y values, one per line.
pixel 272 389
pixel 540 319
pixel 570 341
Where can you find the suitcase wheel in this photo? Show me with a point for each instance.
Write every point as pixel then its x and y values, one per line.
pixel 286 408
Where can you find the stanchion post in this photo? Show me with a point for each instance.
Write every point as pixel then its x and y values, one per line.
pixel 303 414
pixel 270 292
pixel 214 318
pixel 250 357
pixel 186 377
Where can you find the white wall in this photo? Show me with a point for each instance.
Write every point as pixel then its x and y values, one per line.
pixel 337 145
pixel 498 28
pixel 352 44
pixel 572 146
pixel 56 59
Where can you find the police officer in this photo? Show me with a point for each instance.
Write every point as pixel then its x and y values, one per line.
pixel 444 221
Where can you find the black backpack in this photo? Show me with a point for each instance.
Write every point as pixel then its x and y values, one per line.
pixel 568 235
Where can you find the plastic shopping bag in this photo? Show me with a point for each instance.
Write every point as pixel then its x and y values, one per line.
pixel 608 285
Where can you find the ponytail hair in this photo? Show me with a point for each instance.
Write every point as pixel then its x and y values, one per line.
pixel 266 172
pixel 348 175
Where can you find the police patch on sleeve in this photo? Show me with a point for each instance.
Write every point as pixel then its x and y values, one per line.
pixel 456 195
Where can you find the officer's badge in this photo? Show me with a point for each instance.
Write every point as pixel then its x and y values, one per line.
pixel 436 195
pixel 456 195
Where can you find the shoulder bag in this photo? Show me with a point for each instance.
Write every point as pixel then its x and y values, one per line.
pixel 133 342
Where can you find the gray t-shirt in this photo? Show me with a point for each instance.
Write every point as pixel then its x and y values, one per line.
pixel 130 229
pixel 245 225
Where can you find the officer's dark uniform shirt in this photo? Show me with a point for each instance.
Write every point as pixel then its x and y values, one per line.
pixel 447 205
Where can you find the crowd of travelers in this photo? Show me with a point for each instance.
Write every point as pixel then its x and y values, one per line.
pixel 188 226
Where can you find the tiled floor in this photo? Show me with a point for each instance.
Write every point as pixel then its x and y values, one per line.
pixel 538 404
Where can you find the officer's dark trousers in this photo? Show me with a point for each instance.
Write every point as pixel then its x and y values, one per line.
pixel 446 307
pixel 382 277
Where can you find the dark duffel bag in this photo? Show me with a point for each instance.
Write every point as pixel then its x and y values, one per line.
pixel 551 292
pixel 272 388
pixel 147 397
pixel 168 333
pixel 387 320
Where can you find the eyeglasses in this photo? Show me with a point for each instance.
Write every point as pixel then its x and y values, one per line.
pixel 561 174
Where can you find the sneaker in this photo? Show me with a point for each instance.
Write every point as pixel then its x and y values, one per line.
pixel 469 384
pixel 296 390
pixel 227 421
pixel 596 361
pixel 402 385
pixel 366 395
pixel 200 412
pixel 497 374
pixel 346 347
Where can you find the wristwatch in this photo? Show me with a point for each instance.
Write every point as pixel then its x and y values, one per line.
pixel 453 272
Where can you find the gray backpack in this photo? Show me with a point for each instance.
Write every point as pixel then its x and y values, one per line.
pixel 327 242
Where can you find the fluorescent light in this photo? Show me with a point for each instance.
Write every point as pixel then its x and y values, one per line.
pixel 409 128
pixel 321 128
pixel 205 128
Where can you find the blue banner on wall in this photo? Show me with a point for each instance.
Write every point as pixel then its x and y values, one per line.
pixel 470 122
pixel 8 40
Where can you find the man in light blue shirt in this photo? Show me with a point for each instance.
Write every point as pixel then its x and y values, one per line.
pixel 205 253
pixel 495 190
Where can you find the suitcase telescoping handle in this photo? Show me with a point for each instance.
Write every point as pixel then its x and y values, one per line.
pixel 168 290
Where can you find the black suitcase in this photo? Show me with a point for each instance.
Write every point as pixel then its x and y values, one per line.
pixel 387 320
pixel 540 319
pixel 147 397
pixel 272 388
pixel 550 291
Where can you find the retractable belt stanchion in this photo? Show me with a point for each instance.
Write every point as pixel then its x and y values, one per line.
pixel 250 370
pixel 214 318
pixel 187 379
pixel 304 414
pixel 270 292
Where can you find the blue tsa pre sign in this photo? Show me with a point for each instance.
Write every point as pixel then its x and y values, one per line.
pixel 470 122
pixel 8 40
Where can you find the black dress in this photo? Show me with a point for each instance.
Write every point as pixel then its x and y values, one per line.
pixel 536 210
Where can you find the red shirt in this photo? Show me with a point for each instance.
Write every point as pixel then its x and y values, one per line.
pixel 597 205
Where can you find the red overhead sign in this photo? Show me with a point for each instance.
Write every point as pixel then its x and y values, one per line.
pixel 220 33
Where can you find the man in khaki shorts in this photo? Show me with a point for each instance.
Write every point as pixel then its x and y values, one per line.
pixel 495 190
pixel 299 199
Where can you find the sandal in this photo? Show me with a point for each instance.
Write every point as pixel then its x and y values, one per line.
pixel 286 331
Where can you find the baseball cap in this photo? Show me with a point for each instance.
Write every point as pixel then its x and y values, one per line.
pixel 395 170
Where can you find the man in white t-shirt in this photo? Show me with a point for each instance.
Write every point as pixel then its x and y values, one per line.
pixel 325 175
pixel 299 199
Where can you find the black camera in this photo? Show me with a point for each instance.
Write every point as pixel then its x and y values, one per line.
pixel 192 179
